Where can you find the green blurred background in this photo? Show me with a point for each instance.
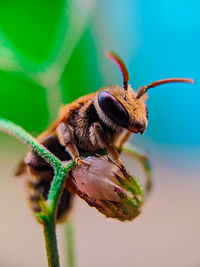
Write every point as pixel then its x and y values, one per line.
pixel 52 52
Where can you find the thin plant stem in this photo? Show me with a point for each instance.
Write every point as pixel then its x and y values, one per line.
pixel 57 186
pixel 48 208
pixel 70 243
pixel 51 243
pixel 18 132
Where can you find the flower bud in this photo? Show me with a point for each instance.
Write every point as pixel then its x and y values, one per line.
pixel 107 187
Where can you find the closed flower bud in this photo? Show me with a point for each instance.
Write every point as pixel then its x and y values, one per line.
pixel 107 187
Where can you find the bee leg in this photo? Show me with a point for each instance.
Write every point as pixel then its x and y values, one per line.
pixel 123 140
pixel 97 132
pixel 66 138
pixel 144 160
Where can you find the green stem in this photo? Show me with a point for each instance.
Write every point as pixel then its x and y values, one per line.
pixel 18 132
pixel 51 243
pixel 48 208
pixel 70 243
pixel 57 186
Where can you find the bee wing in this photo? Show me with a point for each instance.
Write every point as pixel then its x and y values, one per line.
pixel 65 112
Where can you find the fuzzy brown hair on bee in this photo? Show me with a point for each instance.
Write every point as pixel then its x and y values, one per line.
pixel 101 120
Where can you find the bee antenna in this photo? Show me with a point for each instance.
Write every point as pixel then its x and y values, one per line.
pixel 142 90
pixel 115 58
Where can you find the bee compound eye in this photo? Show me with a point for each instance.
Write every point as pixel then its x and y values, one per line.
pixel 113 109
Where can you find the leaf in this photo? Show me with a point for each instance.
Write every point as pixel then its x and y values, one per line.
pixel 40 34
pixel 22 101
pixel 81 75
pixel 36 42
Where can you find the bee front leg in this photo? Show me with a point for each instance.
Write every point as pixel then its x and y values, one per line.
pixel 66 138
pixel 145 162
pixel 125 138
pixel 98 135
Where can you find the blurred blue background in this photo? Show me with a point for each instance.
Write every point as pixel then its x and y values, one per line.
pixel 160 39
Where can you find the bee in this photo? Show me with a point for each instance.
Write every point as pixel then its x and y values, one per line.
pixel 103 120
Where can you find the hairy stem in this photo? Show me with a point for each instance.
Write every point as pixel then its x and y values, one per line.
pixel 18 132
pixel 48 208
pixel 51 243
pixel 57 186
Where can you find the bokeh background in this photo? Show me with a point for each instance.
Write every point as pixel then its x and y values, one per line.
pixel 52 52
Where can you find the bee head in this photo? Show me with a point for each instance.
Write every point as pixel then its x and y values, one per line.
pixel 123 107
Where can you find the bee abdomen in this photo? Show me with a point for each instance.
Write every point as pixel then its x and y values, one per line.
pixel 41 176
pixel 39 189
pixel 36 190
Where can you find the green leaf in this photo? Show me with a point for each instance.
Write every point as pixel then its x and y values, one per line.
pixel 22 101
pixel 81 75
pixel 41 33
pixel 37 40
